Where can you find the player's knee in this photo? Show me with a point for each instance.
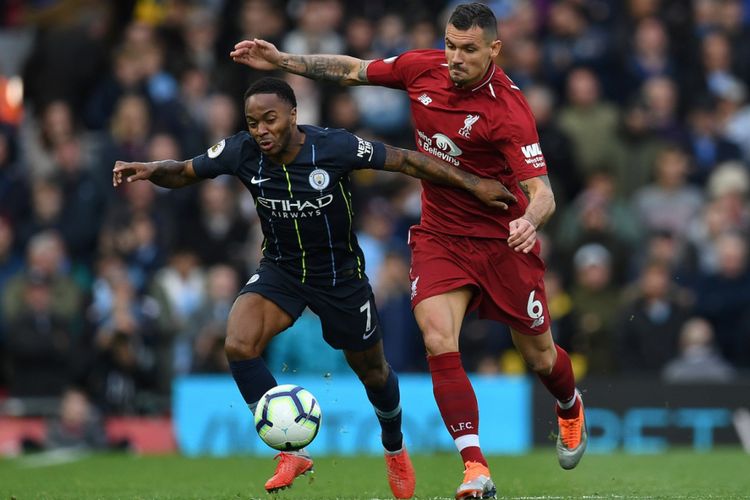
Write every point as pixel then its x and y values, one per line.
pixel 372 379
pixel 438 341
pixel 372 376
pixel 237 348
pixel 540 362
pixel 437 335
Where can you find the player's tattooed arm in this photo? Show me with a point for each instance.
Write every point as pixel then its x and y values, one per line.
pixel 165 173
pixel 489 191
pixel 345 70
pixel 541 200
pixel 263 55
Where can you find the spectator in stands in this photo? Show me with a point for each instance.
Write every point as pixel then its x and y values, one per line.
pixel 45 259
pixel 637 148
pixel 207 342
pixel 221 119
pixel 129 129
pixel 597 215
pixel 669 203
pixel 83 204
pixel 315 33
pixel 650 321
pixel 126 78
pixel 722 297
pixel 698 361
pixel 122 373
pixel 649 54
pixel 596 303
pixel 38 342
pixel 525 66
pixel 78 426
pixel 572 41
pixel 705 143
pixel 661 97
pixel 589 121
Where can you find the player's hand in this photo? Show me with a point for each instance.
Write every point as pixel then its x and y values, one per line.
pixel 130 171
pixel 256 53
pixel 522 235
pixel 493 194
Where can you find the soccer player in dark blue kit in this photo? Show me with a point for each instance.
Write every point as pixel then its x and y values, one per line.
pixel 299 178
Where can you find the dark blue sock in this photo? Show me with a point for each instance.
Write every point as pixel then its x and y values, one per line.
pixel 253 379
pixel 386 401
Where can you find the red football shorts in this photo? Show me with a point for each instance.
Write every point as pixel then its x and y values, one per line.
pixel 509 285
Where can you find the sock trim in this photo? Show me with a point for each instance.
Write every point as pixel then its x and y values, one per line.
pixel 253 407
pixel 388 415
pixel 466 441
pixel 569 403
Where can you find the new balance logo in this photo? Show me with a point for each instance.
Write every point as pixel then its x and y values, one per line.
pixel 531 150
pixel 538 322
pixel 424 99
pixel 258 180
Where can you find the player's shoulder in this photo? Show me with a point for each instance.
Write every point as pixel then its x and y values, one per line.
pixel 507 97
pixel 237 143
pixel 324 135
pixel 240 140
pixel 329 143
pixel 418 59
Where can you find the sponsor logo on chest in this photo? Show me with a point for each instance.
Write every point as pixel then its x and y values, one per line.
pixel 441 146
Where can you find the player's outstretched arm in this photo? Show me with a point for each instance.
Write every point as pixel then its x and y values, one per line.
pixel 541 207
pixel 166 173
pixel 489 191
pixel 263 55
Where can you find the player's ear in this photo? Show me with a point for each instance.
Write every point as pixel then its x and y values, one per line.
pixel 495 47
pixel 293 116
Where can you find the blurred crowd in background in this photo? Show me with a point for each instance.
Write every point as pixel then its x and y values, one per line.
pixel 643 113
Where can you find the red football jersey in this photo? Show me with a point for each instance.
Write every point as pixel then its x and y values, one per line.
pixel 487 130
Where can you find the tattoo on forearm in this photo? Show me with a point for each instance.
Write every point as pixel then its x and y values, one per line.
pixel 362 73
pixel 542 204
pixel 423 167
pixel 330 68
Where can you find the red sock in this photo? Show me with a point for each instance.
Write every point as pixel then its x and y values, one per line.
pixel 561 383
pixel 457 404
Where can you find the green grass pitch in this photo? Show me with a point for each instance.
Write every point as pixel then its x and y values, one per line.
pixel 721 474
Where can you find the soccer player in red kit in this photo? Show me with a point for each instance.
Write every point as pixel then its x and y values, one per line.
pixel 464 256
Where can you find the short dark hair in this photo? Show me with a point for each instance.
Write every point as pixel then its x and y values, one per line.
pixel 467 15
pixel 268 85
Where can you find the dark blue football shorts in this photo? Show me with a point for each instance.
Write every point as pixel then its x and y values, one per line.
pixel 347 311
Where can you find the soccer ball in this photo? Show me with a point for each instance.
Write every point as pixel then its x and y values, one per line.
pixel 287 417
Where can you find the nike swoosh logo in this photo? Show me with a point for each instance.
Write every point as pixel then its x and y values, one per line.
pixel 259 180
pixel 369 334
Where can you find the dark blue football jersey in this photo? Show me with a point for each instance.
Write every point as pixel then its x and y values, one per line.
pixel 305 206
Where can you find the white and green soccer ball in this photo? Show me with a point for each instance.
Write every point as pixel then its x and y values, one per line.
pixel 287 417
